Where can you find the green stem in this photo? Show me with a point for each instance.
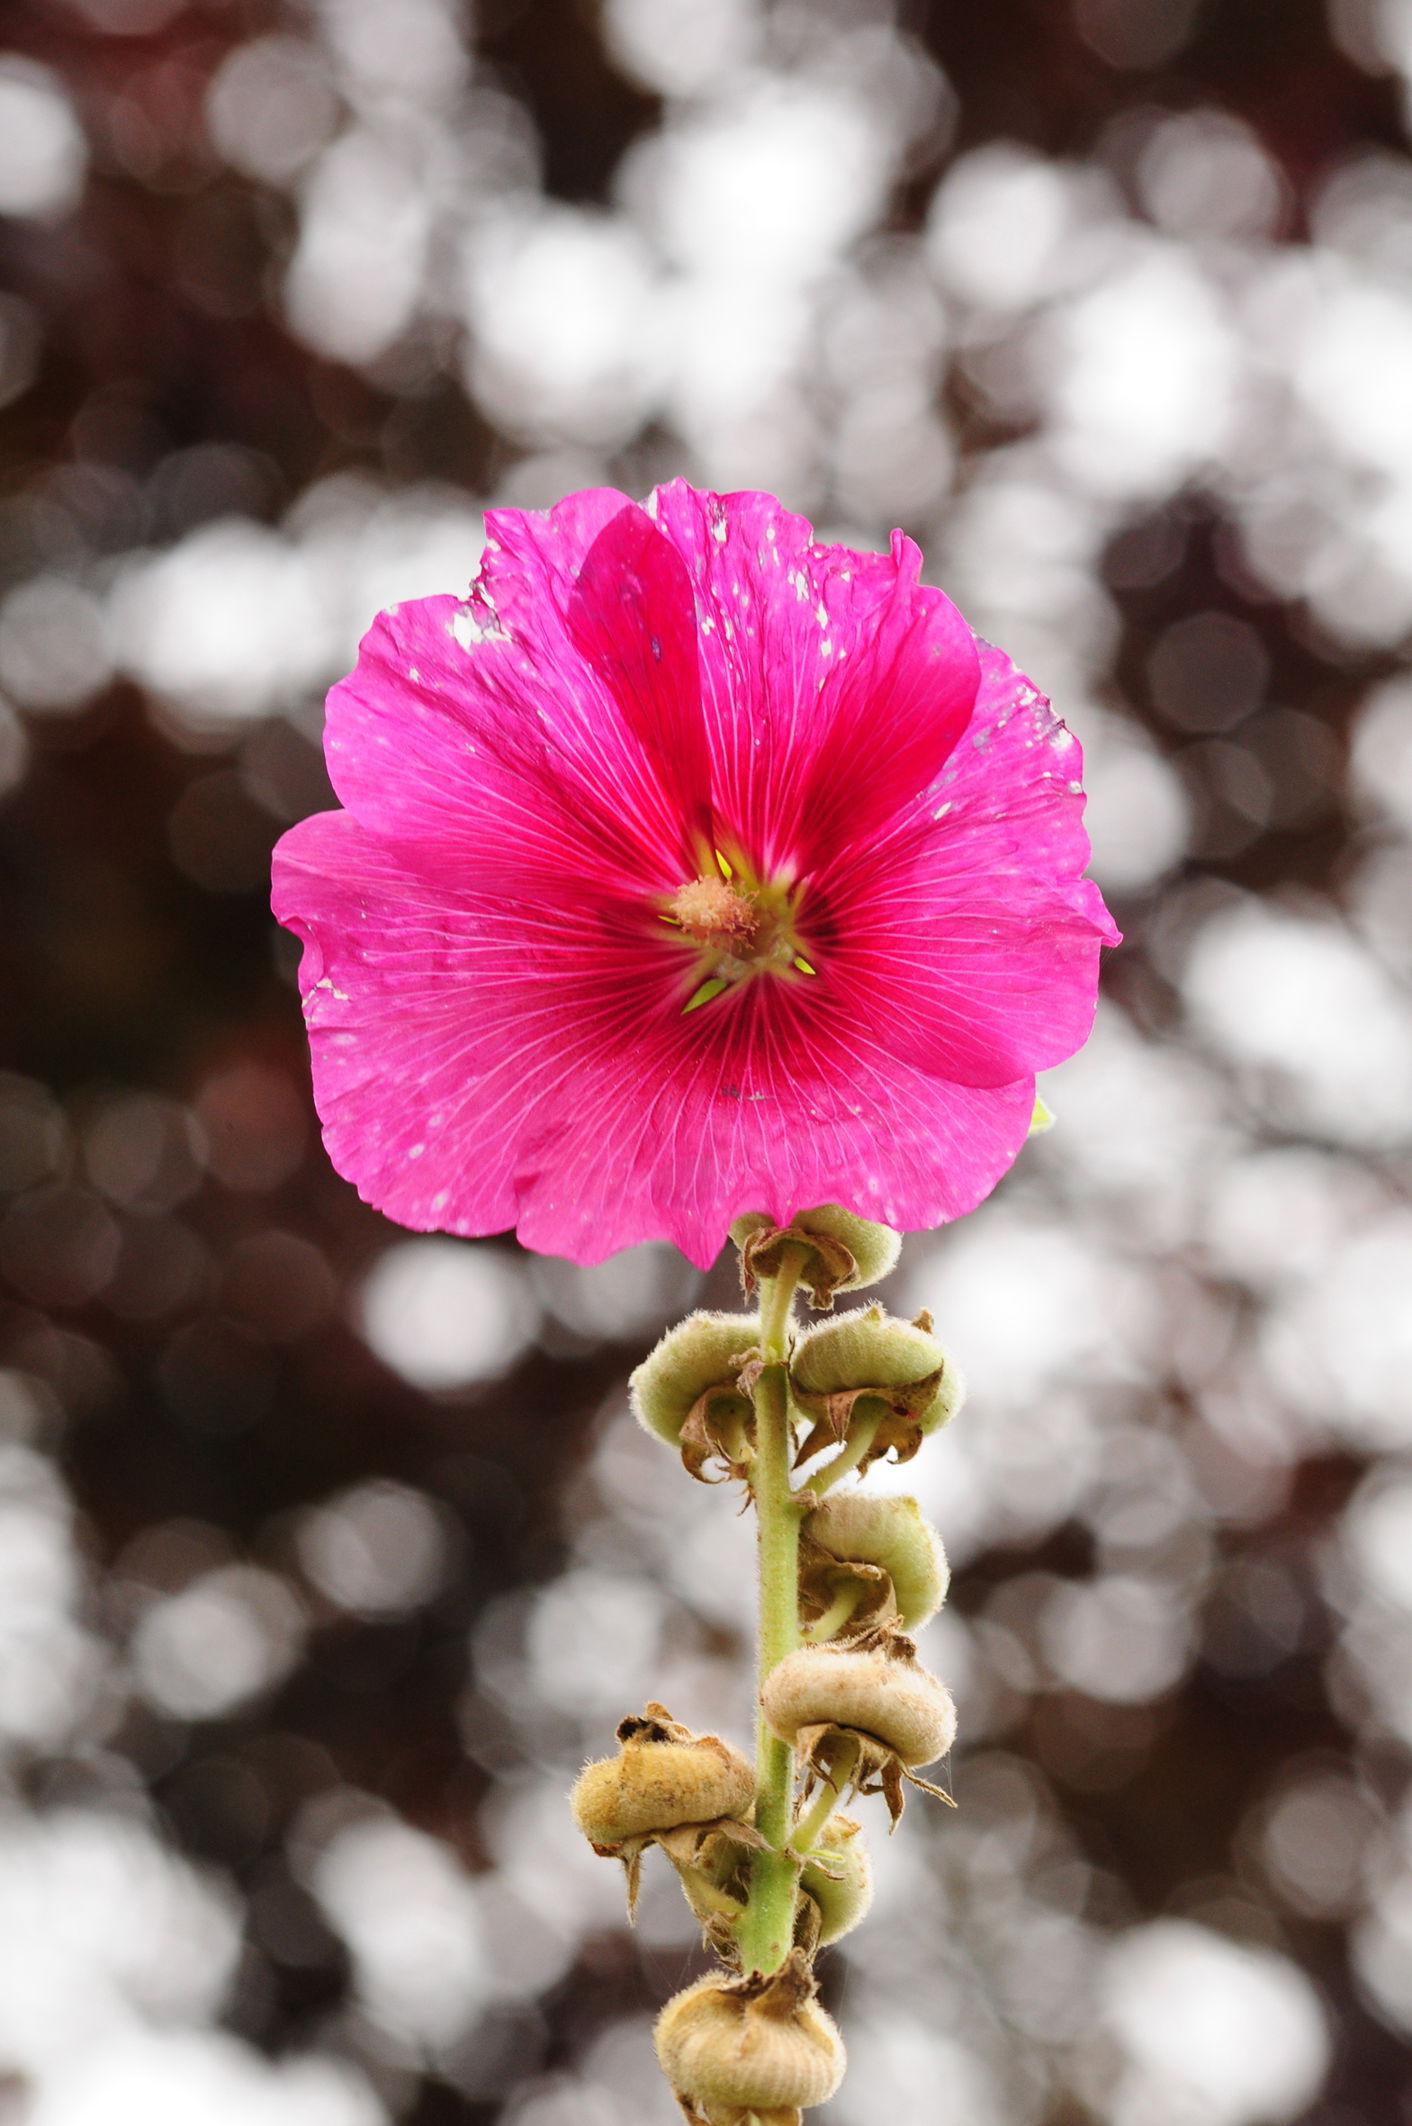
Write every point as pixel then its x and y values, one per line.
pixel 837 1614
pixel 861 1434
pixel 766 1929
pixel 840 1772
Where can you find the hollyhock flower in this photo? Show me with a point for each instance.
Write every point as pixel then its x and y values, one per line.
pixel 688 867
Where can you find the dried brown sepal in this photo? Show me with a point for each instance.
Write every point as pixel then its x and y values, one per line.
pixel 850 1530
pixel 877 1769
pixel 899 1412
pixel 653 1724
pixel 712 1861
pixel 825 1580
pixel 719 1428
pixel 829 1266
pixel 737 2115
pixel 808 1927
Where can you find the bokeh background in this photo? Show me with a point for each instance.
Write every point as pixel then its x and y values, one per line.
pixel 328 1553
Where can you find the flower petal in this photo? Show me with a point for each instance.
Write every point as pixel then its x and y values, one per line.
pixel 479 728
pixel 969 927
pixel 495 1009
pixel 835 685
pixel 633 616
pixel 473 1074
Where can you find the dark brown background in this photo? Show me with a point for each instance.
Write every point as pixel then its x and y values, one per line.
pixel 179 1282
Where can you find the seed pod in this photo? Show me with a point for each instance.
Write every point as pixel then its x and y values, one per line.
pixel 735 2046
pixel 853 1527
pixel 686 1392
pixel 838 1877
pixel 865 1369
pixel 862 1716
pixel 662 1776
pixel 663 1779
pixel 742 2115
pixel 845 1251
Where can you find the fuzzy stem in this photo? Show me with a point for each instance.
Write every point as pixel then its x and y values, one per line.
pixel 766 1927
pixel 839 1774
pixel 860 1439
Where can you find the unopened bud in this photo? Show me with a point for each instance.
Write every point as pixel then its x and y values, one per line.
pixel 685 1391
pixel 843 1251
pixel 838 1876
pixel 662 1776
pixel 866 1365
pixel 891 1534
pixel 734 2047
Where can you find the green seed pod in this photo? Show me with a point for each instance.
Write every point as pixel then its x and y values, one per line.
pixel 762 2045
pixel 662 1776
pixel 855 1527
pixel 846 1252
pixel 839 1877
pixel 691 1371
pixel 866 1349
pixel 866 1368
pixel 881 1692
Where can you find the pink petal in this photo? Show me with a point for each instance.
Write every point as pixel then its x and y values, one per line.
pixel 633 617
pixel 495 1008
pixel 835 685
pixel 474 1071
pixel 503 747
pixel 969 927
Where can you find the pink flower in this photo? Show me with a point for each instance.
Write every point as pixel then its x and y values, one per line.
pixel 688 867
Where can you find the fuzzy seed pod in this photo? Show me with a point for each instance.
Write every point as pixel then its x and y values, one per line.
pixel 845 1252
pixel 662 1776
pixel 866 1368
pixel 838 1876
pixel 762 2045
pixel 866 1349
pixel 890 1533
pixel 685 1390
pixel 874 1690
pixel 743 2115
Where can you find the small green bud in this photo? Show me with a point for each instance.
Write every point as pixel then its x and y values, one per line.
pixel 867 1367
pixel 687 1385
pixel 854 1527
pixel 838 1876
pixel 845 1252
pixel 866 1349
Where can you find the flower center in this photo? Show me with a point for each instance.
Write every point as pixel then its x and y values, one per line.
pixel 713 913
pixel 740 926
